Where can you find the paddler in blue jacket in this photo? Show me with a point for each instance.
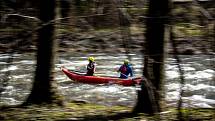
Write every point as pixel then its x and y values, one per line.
pixel 91 67
pixel 125 70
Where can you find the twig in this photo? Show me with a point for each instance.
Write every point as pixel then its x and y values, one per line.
pixel 203 11
pixel 4 18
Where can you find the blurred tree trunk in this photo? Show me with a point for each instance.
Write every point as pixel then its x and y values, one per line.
pixel 124 21
pixel 65 9
pixel 213 40
pixel 80 7
pixel 44 87
pixel 149 97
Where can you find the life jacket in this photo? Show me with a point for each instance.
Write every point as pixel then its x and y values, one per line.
pixel 91 68
pixel 123 69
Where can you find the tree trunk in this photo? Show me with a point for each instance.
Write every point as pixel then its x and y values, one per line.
pixel 65 9
pixel 44 87
pixel 213 40
pixel 149 97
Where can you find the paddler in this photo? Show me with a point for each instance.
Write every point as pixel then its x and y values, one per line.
pixel 125 70
pixel 91 67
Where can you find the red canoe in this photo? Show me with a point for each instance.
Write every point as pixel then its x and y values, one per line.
pixel 100 80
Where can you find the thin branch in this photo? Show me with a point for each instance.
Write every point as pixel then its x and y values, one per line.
pixel 181 71
pixel 4 18
pixel 203 10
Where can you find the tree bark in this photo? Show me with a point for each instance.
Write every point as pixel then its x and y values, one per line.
pixel 149 98
pixel 44 87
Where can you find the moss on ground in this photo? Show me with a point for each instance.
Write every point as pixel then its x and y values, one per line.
pixel 92 112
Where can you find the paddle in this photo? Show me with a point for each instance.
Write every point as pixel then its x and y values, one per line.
pixel 81 72
pixel 123 74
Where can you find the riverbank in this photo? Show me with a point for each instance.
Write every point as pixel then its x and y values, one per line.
pixel 77 111
pixel 113 41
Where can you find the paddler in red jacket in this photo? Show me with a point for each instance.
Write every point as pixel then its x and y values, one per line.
pixel 91 67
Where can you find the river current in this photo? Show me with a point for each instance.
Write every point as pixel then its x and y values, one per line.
pixel 199 75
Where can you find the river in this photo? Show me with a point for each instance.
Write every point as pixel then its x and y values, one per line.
pixel 199 79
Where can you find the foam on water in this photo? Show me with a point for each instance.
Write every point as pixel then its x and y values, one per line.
pixel 28 62
pixel 110 89
pixel 63 61
pixel 172 74
pixel 199 87
pixel 172 96
pixel 137 66
pixel 170 67
pixel 20 76
pixel 5 56
pixel 3 63
pixel 9 90
pixel 172 86
pixel 10 68
pixel 199 100
pixel 202 105
pixel 106 57
pixel 205 74
pixel 189 69
pixel 60 78
pixel 9 101
pixel 78 63
pixel 109 67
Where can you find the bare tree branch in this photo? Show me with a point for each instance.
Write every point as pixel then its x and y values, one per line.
pixel 203 11
pixel 4 18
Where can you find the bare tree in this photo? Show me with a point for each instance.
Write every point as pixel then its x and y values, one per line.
pixel 44 88
pixel 149 97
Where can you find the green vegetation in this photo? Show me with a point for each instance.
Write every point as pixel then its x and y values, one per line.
pixel 93 112
pixel 189 30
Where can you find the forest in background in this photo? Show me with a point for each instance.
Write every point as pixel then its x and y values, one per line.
pixel 97 26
